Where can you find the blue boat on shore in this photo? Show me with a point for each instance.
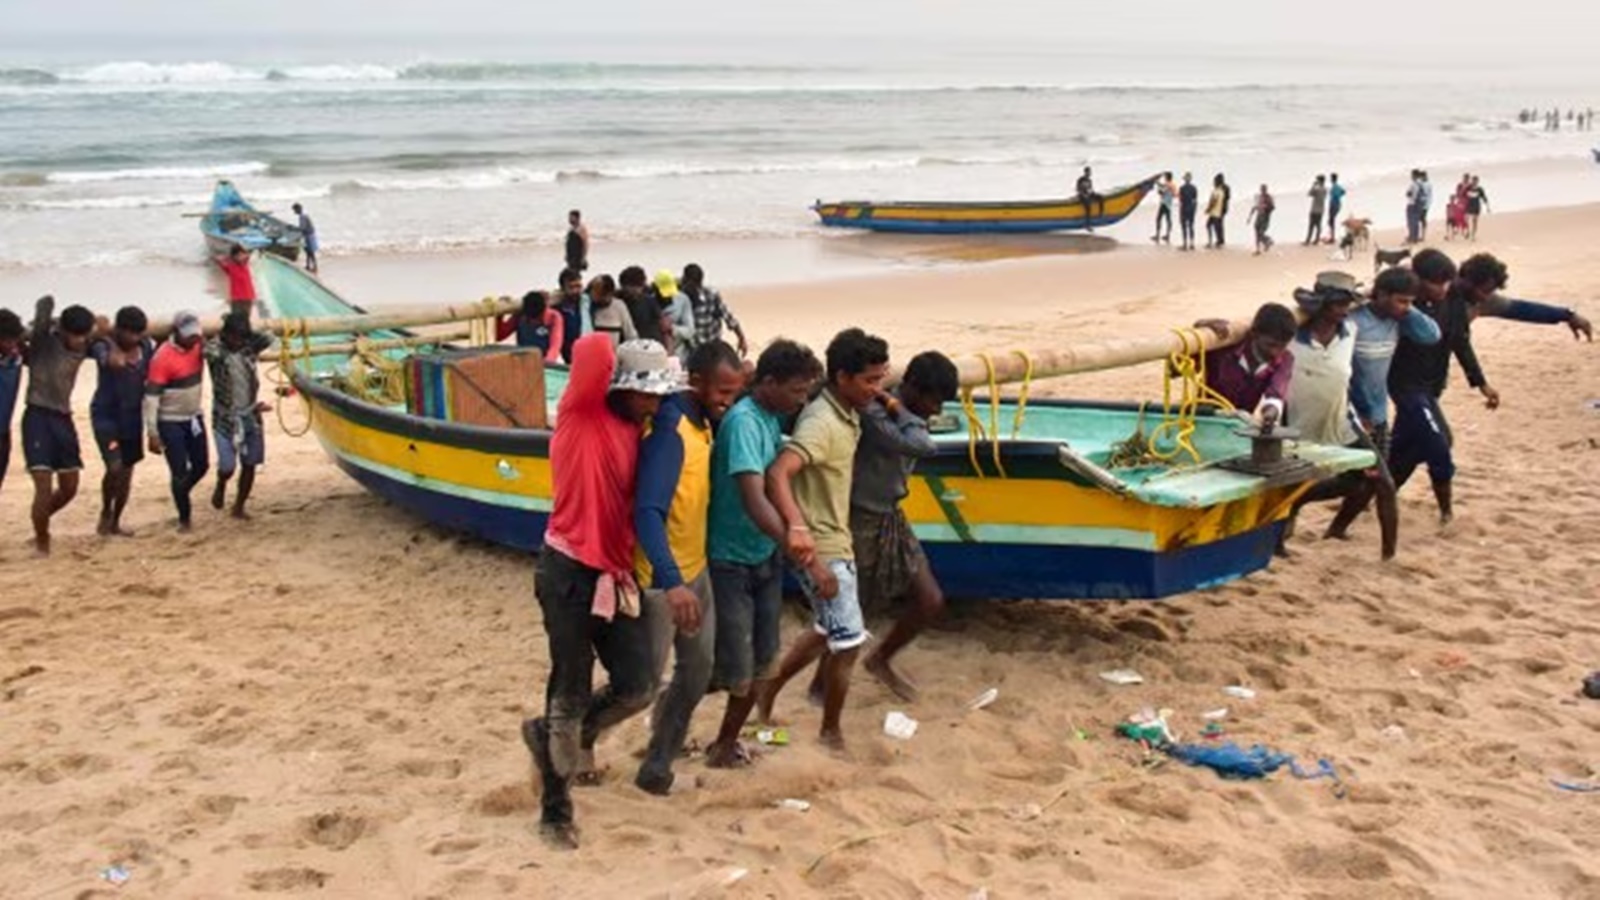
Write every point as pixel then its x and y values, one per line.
pixel 233 222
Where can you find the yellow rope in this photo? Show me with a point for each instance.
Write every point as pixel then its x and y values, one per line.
pixel 1187 366
pixel 285 374
pixel 1022 395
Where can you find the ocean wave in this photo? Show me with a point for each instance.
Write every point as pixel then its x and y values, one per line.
pixel 220 170
pixel 27 77
pixel 158 201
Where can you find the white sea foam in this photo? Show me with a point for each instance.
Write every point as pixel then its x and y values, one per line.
pixel 218 170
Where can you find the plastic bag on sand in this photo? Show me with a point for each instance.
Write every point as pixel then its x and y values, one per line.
pixel 899 725
pixel 1230 760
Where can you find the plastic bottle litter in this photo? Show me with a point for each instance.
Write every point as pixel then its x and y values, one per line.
pixel 899 725
pixel 1240 692
pixel 1215 714
pixel 773 737
pixel 1122 676
pixel 984 699
pixel 116 875
pixel 796 805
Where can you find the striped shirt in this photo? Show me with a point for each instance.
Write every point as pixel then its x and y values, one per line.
pixel 172 389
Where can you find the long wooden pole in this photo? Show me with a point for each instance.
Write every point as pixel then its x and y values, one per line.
pixel 1013 366
pixel 360 323
pixel 349 348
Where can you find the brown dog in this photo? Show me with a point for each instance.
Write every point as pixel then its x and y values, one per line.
pixel 1357 236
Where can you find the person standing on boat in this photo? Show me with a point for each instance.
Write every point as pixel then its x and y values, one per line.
pixel 1217 212
pixel 172 411
pixel 116 411
pixel 536 326
pixel 12 336
pixel 585 581
pixel 1254 374
pixel 1164 193
pixel 569 306
pixel 308 229
pixel 1089 199
pixel 1188 205
pixel 745 534
pixel 577 242
pixel 670 517
pixel 809 485
pixel 236 408
pixel 710 313
pixel 49 439
pixel 1336 194
pixel 241 286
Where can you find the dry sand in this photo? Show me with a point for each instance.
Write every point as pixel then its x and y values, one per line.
pixel 325 702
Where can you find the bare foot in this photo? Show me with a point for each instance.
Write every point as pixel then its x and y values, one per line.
pixel 41 546
pixel 728 756
pixel 104 528
pixel 219 497
pixel 880 669
pixel 559 835
pixel 240 514
pixel 1340 535
pixel 184 527
pixel 834 740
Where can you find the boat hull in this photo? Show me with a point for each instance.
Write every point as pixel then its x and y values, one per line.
pixel 984 218
pixel 1039 533
pixel 233 222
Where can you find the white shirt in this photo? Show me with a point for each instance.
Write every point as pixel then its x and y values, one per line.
pixel 1319 391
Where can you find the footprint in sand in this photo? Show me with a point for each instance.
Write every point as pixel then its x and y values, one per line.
pixel 285 879
pixel 334 830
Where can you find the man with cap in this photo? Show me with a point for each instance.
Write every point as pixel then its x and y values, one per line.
pixel 679 317
pixel 585 581
pixel 236 408
pixel 172 416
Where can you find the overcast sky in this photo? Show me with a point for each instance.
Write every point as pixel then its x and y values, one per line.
pixel 1523 27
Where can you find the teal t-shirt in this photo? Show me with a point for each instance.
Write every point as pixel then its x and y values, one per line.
pixel 747 442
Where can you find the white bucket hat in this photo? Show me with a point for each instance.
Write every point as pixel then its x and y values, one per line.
pixel 644 366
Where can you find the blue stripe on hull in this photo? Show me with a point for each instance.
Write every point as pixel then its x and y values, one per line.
pixel 913 226
pixel 519 528
pixel 968 571
pixel 1050 572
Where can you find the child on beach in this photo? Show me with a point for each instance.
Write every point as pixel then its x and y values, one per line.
pixel 123 359
pixel 11 337
pixel 745 534
pixel 49 439
pixel 1261 214
pixel 670 518
pixel 809 484
pixel 172 417
pixel 236 408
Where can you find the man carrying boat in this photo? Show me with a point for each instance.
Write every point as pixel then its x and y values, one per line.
pixel 585 581
pixel 236 408
pixel 670 517
pixel 49 438
pixel 1254 373
pixel 116 411
pixel 172 416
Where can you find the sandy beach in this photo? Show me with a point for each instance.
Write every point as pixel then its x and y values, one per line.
pixel 325 701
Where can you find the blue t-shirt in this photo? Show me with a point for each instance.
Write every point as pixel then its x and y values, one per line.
pixel 747 442
pixel 119 394
pixel 10 382
pixel 1336 194
pixel 1376 341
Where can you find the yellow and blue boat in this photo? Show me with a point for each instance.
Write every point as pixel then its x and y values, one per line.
pixel 1038 513
pixel 1015 217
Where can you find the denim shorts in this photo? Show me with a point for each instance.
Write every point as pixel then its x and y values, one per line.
pixel 749 612
pixel 839 619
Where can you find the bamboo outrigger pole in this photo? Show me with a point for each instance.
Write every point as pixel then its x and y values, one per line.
pixel 350 348
pixel 1027 365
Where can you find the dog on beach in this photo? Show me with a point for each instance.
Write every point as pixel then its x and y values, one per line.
pixel 1383 259
pixel 1357 236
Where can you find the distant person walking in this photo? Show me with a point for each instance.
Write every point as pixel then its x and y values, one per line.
pixel 1319 203
pixel 1261 212
pixel 1414 208
pixel 308 228
pixel 1336 194
pixel 577 242
pixel 1477 204
pixel 1217 212
pixel 1188 205
pixel 1164 193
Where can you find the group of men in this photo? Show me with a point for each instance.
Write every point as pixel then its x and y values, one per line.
pixel 680 503
pixel 1333 371
pixel 148 397
pixel 1186 197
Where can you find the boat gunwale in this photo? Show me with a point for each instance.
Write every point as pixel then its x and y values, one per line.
pixel 950 205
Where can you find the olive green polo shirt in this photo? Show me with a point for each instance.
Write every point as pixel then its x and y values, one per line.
pixel 826 437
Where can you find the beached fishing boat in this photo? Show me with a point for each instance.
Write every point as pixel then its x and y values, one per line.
pixel 1021 217
pixel 1040 513
pixel 233 222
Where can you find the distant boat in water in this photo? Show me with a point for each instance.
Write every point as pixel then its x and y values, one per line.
pixel 1017 217
pixel 232 222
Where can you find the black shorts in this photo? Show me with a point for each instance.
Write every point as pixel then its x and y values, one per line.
pixel 119 445
pixel 50 441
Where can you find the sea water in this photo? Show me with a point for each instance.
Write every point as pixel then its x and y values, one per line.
pixel 403 146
